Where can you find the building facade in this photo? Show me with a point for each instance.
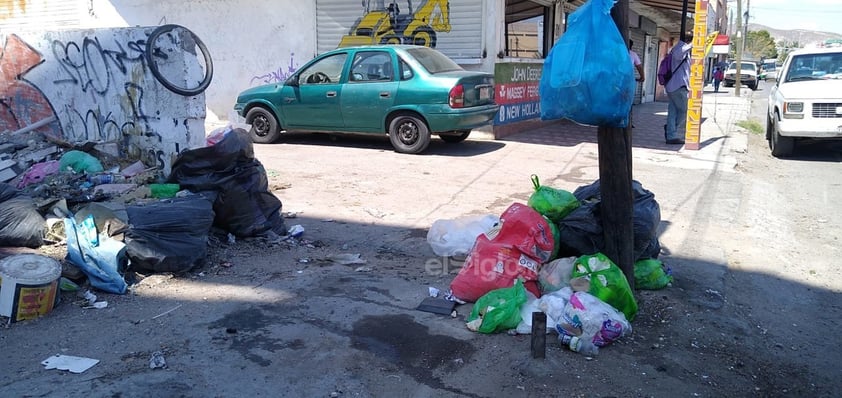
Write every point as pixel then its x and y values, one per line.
pixel 254 42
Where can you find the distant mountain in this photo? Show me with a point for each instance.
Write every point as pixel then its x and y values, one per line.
pixel 801 36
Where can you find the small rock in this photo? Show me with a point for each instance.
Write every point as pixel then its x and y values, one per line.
pixel 157 361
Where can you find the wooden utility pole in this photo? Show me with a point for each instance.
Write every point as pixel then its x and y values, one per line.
pixel 739 47
pixel 615 177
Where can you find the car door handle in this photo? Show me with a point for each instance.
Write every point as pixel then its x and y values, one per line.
pixel 385 94
pixel 289 100
pixel 331 94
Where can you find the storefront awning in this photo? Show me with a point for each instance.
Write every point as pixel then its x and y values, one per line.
pixel 675 5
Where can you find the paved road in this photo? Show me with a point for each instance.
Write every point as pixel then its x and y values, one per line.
pixel 752 242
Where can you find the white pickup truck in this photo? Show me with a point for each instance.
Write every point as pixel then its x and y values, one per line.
pixel 748 75
pixel 806 100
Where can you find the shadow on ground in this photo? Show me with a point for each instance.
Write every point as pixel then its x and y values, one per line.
pixel 469 147
pixel 257 318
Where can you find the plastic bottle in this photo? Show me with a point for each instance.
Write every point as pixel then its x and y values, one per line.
pixel 106 179
pixel 577 344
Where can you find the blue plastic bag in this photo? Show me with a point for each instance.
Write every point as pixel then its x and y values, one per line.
pixel 102 260
pixel 588 75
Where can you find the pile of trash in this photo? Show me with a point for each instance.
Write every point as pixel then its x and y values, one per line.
pixel 545 257
pixel 116 218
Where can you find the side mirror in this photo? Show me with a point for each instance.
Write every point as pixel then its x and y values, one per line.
pixel 292 81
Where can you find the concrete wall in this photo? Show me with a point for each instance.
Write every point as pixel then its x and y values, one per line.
pixel 99 86
pixel 251 41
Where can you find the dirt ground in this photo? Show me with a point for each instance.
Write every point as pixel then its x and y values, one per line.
pixel 753 309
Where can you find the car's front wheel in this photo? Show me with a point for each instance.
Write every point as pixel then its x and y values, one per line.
pixel 409 133
pixel 781 146
pixel 456 136
pixel 264 125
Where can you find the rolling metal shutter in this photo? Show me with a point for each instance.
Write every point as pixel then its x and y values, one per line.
pixel 39 15
pixel 336 18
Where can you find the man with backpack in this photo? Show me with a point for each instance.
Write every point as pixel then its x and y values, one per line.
pixel 674 74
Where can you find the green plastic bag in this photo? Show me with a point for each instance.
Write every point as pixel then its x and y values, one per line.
pixel 607 282
pixel 80 162
pixel 499 309
pixel 649 274
pixel 553 203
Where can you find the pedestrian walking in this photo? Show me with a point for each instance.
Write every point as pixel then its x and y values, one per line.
pixel 676 88
pixel 717 78
pixel 637 64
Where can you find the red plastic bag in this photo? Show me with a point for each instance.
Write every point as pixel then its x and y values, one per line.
pixel 515 250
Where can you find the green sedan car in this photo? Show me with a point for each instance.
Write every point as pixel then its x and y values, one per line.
pixel 408 92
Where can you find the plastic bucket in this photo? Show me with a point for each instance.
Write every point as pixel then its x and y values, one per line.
pixel 28 286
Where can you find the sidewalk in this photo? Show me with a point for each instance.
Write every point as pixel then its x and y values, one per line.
pixel 719 137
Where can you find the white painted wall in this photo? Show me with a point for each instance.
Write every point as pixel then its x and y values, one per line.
pixel 250 41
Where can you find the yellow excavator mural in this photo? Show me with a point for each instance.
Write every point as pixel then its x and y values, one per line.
pixel 382 24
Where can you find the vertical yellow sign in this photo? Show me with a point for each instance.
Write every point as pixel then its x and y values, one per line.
pixel 697 76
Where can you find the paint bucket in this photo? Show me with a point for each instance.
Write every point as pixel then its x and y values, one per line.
pixel 28 286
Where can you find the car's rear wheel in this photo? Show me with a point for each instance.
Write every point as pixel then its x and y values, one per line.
pixel 264 125
pixel 409 133
pixel 781 146
pixel 456 136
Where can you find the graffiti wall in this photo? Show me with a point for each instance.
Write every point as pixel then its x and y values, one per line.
pixel 107 86
pixel 251 41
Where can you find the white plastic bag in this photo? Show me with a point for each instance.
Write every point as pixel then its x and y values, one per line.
pixel 556 274
pixel 533 304
pixel 553 304
pixel 593 322
pixel 457 236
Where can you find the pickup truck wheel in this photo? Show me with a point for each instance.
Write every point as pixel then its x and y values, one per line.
pixel 781 146
pixel 769 127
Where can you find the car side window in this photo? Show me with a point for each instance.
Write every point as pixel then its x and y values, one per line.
pixel 325 70
pixel 406 71
pixel 371 66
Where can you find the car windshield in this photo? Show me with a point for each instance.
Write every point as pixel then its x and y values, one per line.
pixel 744 66
pixel 815 67
pixel 433 61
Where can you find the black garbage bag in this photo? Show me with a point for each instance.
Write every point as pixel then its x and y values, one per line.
pixel 170 235
pixel 21 225
pixel 243 206
pixel 581 231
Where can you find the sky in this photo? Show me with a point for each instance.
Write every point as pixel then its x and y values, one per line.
pixel 820 15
